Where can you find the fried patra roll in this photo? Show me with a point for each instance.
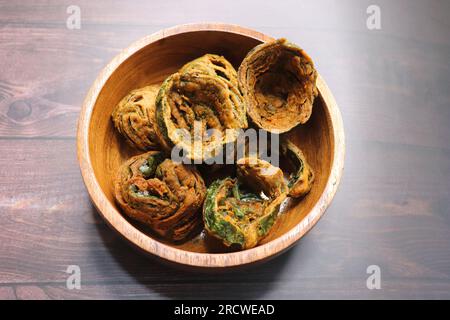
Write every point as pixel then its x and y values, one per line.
pixel 162 194
pixel 134 118
pixel 199 113
pixel 301 180
pixel 242 211
pixel 278 82
pixel 213 65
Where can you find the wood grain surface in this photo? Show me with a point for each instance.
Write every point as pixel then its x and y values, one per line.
pixel 393 205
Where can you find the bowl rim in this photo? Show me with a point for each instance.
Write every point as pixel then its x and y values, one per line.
pixel 164 251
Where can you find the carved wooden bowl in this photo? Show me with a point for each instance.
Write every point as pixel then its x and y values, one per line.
pixel 149 61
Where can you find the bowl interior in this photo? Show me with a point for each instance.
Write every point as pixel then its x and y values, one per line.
pixel 151 65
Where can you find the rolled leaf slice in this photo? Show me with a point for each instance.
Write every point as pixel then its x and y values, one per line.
pixel 301 180
pixel 213 65
pixel 199 113
pixel 242 211
pixel 262 176
pixel 162 194
pixel 278 82
pixel 134 118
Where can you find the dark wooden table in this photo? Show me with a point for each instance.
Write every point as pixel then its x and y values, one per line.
pixel 393 206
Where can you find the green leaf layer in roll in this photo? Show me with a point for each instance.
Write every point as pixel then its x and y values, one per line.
pixel 162 194
pixel 189 105
pixel 301 180
pixel 242 211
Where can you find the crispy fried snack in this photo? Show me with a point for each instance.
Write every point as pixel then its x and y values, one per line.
pixel 190 105
pixel 134 118
pixel 242 211
pixel 213 65
pixel 161 194
pixel 278 82
pixel 301 180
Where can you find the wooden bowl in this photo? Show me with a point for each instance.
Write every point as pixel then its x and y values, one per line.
pixel 149 61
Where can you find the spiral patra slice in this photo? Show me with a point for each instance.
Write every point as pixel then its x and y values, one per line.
pixel 199 113
pixel 134 118
pixel 241 211
pixel 162 194
pixel 213 65
pixel 278 82
pixel 302 178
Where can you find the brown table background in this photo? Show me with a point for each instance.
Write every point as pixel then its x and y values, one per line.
pixel 393 205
